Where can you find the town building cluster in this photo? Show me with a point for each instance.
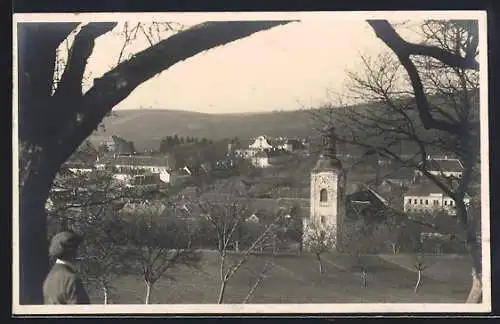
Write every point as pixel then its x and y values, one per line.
pixel 421 194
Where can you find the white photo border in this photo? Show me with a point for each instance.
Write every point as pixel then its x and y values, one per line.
pixel 339 308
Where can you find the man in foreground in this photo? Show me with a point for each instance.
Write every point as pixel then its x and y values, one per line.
pixel 63 285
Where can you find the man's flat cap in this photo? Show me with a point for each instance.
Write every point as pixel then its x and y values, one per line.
pixel 63 242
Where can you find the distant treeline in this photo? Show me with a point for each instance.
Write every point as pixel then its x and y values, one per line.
pixel 169 142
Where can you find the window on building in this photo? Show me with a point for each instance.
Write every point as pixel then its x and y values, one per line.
pixel 446 202
pixel 451 202
pixel 415 201
pixel 426 201
pixel 421 201
pixel 323 195
pixel 436 202
pixel 323 220
pixel 409 201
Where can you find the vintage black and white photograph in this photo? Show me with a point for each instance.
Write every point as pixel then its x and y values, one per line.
pixel 307 162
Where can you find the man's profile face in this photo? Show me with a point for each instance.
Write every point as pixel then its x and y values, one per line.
pixel 72 255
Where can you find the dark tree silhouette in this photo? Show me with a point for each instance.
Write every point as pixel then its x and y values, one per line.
pixel 426 96
pixel 46 142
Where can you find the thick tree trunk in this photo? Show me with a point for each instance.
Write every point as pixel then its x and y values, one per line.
pixel 77 117
pixel 475 293
pixel 33 240
pixel 37 43
pixel 476 290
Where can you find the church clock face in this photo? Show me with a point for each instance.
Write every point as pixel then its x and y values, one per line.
pixel 323 180
pixel 326 180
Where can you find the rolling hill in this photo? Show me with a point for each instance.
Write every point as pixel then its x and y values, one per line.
pixel 146 128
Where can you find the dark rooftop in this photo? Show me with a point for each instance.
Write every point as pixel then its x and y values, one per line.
pixel 423 188
pixel 444 164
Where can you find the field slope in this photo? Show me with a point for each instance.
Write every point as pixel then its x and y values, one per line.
pixel 295 279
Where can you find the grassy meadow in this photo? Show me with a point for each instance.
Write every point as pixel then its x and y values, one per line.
pixel 296 279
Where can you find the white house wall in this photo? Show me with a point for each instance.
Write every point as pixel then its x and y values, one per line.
pixel 165 176
pixel 260 162
pixel 122 177
pixel 434 202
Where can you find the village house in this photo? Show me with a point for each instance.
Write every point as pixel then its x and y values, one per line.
pixel 427 196
pixel 249 149
pixel 180 175
pixel 260 159
pixel 264 152
pixel 78 168
pixel 268 158
pixel 225 164
pixel 252 218
pixel 110 144
pixel 260 143
pixel 146 206
pixel 126 167
pixel 367 203
pixel 292 145
pixel 401 176
pixel 445 166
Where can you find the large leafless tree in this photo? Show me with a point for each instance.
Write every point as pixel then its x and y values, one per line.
pixel 425 96
pixel 157 247
pixel 52 124
pixel 227 207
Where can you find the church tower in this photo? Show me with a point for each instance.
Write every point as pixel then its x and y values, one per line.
pixel 327 182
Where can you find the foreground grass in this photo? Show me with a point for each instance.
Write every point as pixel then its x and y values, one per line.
pixel 295 279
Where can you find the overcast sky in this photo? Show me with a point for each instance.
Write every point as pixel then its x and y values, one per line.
pixel 285 68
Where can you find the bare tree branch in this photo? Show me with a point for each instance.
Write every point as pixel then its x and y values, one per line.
pixel 118 83
pixel 70 85
pixel 257 282
pixel 391 38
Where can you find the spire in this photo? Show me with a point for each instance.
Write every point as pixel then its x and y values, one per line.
pixel 329 143
pixel 328 158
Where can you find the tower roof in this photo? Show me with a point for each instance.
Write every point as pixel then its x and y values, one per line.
pixel 328 159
